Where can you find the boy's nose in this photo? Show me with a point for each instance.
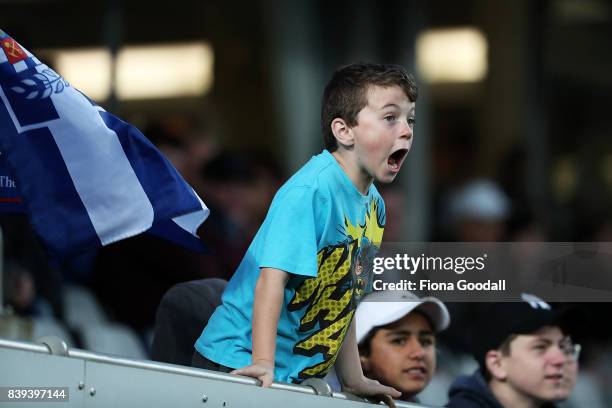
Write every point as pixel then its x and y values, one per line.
pixel 416 350
pixel 406 132
pixel 558 357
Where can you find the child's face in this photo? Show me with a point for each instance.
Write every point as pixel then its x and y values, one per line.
pixel 383 134
pixel 403 354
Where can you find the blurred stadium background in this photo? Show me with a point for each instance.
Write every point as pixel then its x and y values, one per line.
pixel 512 118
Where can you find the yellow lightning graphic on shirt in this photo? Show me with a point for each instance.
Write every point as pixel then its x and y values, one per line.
pixel 327 298
pixel 371 228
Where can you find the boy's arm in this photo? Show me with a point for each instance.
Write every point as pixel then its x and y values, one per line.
pixel 350 373
pixel 269 292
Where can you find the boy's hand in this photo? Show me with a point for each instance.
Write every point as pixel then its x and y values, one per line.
pixel 371 388
pixel 261 369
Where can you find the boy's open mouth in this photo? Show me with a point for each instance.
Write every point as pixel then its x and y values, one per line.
pixel 396 159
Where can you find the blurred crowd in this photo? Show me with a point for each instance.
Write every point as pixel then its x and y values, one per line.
pixel 118 288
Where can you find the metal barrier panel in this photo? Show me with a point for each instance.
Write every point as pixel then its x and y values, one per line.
pixel 135 387
pixel 98 380
pixel 21 369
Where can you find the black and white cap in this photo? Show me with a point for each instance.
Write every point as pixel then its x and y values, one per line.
pixel 503 319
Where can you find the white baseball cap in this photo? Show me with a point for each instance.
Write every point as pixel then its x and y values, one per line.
pixel 384 307
pixel 481 200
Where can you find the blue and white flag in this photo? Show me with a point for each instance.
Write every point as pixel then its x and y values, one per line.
pixel 10 197
pixel 85 177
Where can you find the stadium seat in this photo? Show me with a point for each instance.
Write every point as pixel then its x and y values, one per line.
pixel 112 338
pixel 42 327
pixel 81 308
pixel 181 316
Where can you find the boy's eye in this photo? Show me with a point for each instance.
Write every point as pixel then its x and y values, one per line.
pixel 427 341
pixel 540 347
pixel 411 122
pixel 398 341
pixel 390 118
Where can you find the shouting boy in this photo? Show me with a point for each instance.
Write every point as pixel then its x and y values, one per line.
pixel 287 313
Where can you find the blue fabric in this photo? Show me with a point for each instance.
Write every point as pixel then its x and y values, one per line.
pixel 318 228
pixel 10 197
pixel 85 177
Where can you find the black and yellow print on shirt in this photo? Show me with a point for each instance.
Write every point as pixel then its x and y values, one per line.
pixel 329 300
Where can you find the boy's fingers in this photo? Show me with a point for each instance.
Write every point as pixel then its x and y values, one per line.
pixel 255 372
pixel 266 381
pixel 247 371
pixel 388 401
pixel 379 389
pixel 392 392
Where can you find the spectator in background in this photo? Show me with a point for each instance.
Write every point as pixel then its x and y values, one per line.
pixel 238 188
pixel 243 185
pixel 525 354
pixel 189 141
pixel 478 212
pixel 32 285
pixel 396 335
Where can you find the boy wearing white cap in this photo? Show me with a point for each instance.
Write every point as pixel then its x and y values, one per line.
pixel 396 335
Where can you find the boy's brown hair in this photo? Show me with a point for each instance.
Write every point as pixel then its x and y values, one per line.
pixel 346 93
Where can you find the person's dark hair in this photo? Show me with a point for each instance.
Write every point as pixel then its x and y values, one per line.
pixel 504 348
pixel 346 93
pixel 365 346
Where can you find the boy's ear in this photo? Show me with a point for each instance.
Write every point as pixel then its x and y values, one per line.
pixel 495 365
pixel 342 132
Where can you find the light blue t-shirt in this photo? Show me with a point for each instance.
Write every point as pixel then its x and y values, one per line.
pixel 324 232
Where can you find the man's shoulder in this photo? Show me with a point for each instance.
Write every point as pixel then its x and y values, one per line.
pixel 468 401
pixel 471 392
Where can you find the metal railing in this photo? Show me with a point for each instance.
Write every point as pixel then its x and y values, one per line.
pixel 101 380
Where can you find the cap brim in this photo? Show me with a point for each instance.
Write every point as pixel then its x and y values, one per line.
pixel 370 315
pixel 436 312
